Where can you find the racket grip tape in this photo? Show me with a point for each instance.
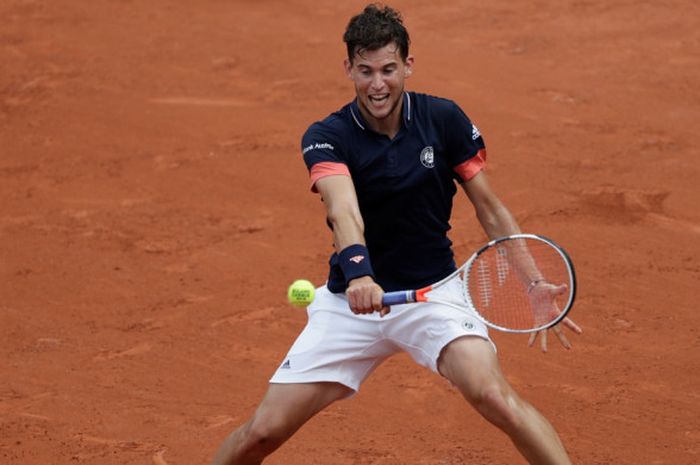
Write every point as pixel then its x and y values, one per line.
pixel 398 298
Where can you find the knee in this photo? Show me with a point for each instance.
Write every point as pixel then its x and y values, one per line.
pixel 263 435
pixel 501 406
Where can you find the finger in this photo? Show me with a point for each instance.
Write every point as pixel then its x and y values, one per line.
pixel 356 304
pixel 351 300
pixel 562 337
pixel 533 338
pixel 356 300
pixel 363 301
pixel 377 300
pixel 569 323
pixel 560 290
pixel 367 302
pixel 543 341
pixel 377 303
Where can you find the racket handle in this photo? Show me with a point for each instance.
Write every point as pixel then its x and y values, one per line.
pixel 398 298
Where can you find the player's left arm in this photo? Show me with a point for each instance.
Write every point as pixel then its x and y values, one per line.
pixel 493 215
pixel 497 221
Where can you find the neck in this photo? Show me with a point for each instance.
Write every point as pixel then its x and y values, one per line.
pixel 390 125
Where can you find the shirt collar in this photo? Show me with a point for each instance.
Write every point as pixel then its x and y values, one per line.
pixel 407 112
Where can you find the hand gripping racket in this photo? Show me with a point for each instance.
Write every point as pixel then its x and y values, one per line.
pixel 519 284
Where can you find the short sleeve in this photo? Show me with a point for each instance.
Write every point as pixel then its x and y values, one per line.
pixel 323 153
pixel 465 145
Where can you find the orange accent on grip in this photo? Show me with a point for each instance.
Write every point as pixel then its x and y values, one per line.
pixel 420 294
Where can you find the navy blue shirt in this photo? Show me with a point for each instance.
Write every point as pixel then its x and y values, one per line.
pixel 404 185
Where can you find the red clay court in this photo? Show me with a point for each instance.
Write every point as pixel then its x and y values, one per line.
pixel 154 208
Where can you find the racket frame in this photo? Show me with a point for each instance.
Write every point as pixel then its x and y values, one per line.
pixel 419 295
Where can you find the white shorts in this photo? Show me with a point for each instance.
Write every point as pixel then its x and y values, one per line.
pixel 338 346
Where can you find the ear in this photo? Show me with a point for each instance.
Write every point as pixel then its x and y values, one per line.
pixel 409 66
pixel 348 67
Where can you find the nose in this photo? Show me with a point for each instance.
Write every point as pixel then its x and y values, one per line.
pixel 377 81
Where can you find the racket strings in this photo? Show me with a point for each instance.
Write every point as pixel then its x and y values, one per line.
pixel 499 278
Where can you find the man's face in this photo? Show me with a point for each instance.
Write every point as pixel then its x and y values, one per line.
pixel 379 77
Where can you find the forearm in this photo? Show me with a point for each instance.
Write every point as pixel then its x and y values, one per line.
pixel 501 223
pixel 497 221
pixel 342 210
pixel 493 215
pixel 348 233
pixel 348 228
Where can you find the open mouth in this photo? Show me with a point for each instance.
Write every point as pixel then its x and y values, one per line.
pixel 379 99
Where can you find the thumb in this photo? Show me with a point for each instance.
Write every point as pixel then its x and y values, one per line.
pixel 560 290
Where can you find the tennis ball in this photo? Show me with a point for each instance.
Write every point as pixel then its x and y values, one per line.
pixel 301 293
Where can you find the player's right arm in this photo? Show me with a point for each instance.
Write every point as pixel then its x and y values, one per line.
pixel 343 213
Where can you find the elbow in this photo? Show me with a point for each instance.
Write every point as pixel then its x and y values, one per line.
pixel 489 214
pixel 489 220
pixel 497 221
pixel 345 214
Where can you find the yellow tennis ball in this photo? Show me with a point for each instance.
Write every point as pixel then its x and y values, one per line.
pixel 301 293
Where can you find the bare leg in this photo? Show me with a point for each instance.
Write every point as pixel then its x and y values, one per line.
pixel 283 410
pixel 471 364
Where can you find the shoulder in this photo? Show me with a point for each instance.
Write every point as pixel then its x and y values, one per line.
pixel 335 126
pixel 442 113
pixel 434 105
pixel 328 140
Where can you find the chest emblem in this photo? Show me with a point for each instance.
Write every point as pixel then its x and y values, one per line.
pixel 427 157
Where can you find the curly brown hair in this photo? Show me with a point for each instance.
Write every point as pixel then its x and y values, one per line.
pixel 377 26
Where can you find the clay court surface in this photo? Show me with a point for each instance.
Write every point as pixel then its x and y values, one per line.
pixel 154 207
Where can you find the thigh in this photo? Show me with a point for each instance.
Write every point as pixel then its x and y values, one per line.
pixel 286 407
pixel 425 329
pixel 470 363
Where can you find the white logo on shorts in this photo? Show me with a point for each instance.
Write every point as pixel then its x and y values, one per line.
pixel 427 157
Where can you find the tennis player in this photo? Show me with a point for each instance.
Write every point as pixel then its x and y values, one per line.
pixel 386 166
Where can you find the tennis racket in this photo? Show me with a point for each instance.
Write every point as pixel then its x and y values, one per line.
pixel 522 283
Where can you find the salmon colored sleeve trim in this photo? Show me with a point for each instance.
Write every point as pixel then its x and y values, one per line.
pixel 327 168
pixel 471 167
